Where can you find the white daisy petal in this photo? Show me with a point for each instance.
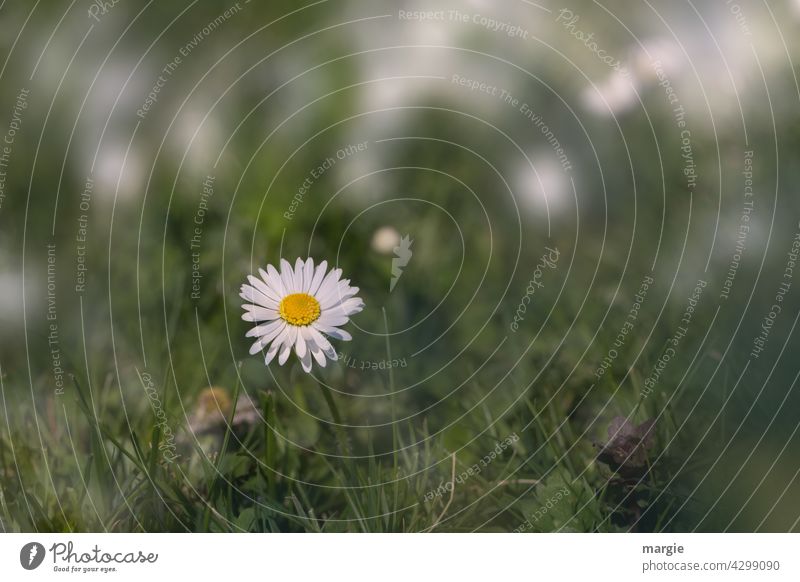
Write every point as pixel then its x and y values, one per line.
pixel 323 343
pixel 340 312
pixel 300 345
pixel 257 295
pixel 283 337
pixel 311 335
pixel 276 333
pixel 328 283
pixel 332 319
pixel 265 289
pixel 259 345
pixel 287 345
pixel 336 313
pixel 319 356
pixel 331 354
pixel 318 275
pixel 246 296
pixel 341 290
pixel 308 337
pixel 275 280
pixel 337 297
pixel 329 299
pixel 319 339
pixel 273 349
pixel 299 275
pixel 340 334
pixel 256 313
pixel 308 274
pixel 256 347
pixel 305 361
pixel 350 292
pixel 284 355
pixel 335 332
pixel 351 306
pixel 287 277
pixel 265 329
pixel 267 337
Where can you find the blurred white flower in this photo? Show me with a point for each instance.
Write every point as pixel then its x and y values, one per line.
pixel 403 70
pixel 298 308
pixel 544 188
pixel 385 240
pixel 614 96
pixel 202 138
pixel 114 168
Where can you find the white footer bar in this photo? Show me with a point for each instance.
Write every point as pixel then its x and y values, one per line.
pixel 396 557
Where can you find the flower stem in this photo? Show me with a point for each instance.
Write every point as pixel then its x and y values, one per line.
pixel 395 435
pixel 341 435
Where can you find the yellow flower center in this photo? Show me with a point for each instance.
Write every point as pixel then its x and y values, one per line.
pixel 299 309
pixel 211 398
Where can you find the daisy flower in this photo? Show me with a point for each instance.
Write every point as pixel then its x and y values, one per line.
pixel 296 309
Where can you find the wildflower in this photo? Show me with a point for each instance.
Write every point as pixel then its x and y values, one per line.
pixel 213 411
pixel 627 446
pixel 385 239
pixel 296 309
